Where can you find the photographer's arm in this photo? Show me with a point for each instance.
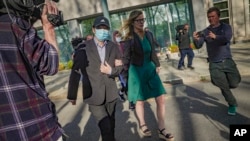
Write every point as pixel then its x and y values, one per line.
pixel 48 28
pixel 198 41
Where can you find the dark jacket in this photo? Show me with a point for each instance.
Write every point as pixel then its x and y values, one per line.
pixel 218 49
pixel 102 87
pixel 79 68
pixel 133 53
pixel 183 40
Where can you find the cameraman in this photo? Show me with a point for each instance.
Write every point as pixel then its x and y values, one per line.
pixel 223 70
pixel 27 114
pixel 183 38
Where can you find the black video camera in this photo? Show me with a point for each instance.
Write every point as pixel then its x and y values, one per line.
pixel 76 41
pixel 29 9
pixel 56 20
pixel 179 27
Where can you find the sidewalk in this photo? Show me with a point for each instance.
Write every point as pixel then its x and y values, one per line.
pixel 170 73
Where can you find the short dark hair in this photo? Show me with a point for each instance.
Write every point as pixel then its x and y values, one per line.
pixel 214 9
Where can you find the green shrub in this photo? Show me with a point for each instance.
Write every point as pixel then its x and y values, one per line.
pixel 61 66
pixel 173 48
pixel 192 46
pixel 69 64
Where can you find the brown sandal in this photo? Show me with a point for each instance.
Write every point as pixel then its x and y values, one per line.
pixel 167 137
pixel 146 132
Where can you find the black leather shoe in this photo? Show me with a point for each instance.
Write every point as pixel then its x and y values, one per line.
pixel 131 106
pixel 180 68
pixel 191 67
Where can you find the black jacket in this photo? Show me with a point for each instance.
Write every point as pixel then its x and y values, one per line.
pixel 98 88
pixel 133 53
pixel 78 69
pixel 183 40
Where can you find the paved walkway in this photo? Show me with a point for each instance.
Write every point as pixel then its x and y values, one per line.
pixel 195 109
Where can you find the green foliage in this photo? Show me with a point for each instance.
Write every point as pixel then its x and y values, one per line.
pixel 69 64
pixel 87 26
pixel 173 48
pixel 192 46
pixel 61 66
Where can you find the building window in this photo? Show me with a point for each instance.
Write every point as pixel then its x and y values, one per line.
pixel 223 6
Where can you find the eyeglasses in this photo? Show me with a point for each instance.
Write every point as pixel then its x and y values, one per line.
pixel 140 20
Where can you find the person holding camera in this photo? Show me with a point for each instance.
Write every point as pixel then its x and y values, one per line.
pixel 183 38
pixel 27 114
pixel 223 70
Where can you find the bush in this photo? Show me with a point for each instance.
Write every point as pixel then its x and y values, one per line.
pixel 192 46
pixel 69 64
pixel 61 66
pixel 173 48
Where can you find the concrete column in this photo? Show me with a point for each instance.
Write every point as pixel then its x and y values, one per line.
pixel 200 16
pixel 74 29
pixel 246 3
pixel 105 10
pixel 239 18
pixel 200 13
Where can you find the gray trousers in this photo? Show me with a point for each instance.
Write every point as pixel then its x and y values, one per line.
pixel 225 75
pixel 105 117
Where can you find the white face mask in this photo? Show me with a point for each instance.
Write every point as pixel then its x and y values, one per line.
pixel 118 39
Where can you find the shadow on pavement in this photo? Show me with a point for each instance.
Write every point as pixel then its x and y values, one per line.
pixel 201 114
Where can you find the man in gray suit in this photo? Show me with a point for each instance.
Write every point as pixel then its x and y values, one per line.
pixel 97 59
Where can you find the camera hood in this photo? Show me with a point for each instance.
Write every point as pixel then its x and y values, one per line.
pixel 17 7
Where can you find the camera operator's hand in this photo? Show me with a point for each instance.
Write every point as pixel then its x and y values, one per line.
pixel 211 35
pixel 49 33
pixel 196 36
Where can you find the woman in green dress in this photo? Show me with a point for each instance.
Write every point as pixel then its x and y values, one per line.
pixel 143 79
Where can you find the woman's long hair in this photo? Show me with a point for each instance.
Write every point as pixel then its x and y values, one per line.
pixel 128 27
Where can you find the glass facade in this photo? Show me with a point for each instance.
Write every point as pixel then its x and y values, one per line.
pixel 161 20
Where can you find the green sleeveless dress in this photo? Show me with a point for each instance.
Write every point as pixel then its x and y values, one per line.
pixel 143 81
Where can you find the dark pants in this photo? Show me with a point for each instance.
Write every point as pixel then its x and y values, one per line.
pixel 105 117
pixel 190 54
pixel 225 75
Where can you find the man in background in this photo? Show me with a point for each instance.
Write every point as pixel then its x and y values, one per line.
pixel 183 38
